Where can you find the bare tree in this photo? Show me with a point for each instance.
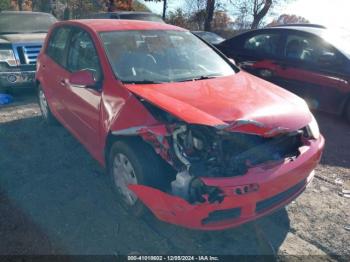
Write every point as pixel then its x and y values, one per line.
pixel 196 10
pixel 165 6
pixel 194 6
pixel 20 5
pixel 209 14
pixel 253 10
pixel 260 10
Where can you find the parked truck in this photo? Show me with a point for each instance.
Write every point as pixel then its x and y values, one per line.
pixel 21 37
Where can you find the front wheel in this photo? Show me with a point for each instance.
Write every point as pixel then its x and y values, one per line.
pixel 133 162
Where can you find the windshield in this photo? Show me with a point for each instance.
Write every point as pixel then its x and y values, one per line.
pixel 162 56
pixel 25 23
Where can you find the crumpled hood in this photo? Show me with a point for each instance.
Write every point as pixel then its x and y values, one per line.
pixel 238 103
pixel 22 38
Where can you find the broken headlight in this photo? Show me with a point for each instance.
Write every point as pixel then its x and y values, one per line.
pixel 312 129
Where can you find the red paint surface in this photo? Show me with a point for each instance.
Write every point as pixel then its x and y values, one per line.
pixel 224 100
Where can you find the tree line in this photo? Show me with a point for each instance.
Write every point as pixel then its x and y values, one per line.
pixel 208 15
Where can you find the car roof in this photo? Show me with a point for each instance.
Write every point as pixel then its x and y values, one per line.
pixel 127 13
pixel 24 13
pixel 104 25
pixel 315 30
pixel 309 29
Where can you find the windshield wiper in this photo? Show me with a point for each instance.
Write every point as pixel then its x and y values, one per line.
pixel 199 78
pixel 144 82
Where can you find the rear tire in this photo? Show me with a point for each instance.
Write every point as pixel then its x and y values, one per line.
pixel 133 161
pixel 45 109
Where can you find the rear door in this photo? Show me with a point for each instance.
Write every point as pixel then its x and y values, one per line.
pixel 313 69
pixel 83 103
pixel 52 65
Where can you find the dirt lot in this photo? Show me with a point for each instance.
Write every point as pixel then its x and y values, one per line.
pixel 54 199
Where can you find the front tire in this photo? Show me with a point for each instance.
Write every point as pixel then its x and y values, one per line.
pixel 134 162
pixel 45 109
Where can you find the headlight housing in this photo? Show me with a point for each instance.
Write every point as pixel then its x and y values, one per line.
pixel 7 56
pixel 313 129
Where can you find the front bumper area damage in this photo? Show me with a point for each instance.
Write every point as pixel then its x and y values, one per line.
pixel 277 186
pixel 222 178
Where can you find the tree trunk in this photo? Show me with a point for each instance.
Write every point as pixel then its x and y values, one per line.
pixel 66 13
pixel 34 5
pixel 259 15
pixel 209 14
pixel 20 3
pixel 164 8
pixel 111 6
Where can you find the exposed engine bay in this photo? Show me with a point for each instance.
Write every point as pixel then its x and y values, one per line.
pixel 198 151
pixel 201 151
pixel 208 152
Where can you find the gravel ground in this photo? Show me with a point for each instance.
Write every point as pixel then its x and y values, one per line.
pixel 54 199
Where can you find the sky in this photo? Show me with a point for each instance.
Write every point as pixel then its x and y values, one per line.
pixel 331 13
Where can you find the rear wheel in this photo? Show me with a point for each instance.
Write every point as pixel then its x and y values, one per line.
pixel 44 108
pixel 133 162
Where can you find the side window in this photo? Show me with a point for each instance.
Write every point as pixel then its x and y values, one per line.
pixel 311 50
pixel 57 44
pixel 264 44
pixel 83 55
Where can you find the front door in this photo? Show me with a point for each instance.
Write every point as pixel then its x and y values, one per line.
pixel 259 54
pixel 84 103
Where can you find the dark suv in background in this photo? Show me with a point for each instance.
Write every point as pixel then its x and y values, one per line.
pixel 309 60
pixel 21 37
pixel 145 16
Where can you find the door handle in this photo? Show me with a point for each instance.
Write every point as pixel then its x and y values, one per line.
pixel 63 82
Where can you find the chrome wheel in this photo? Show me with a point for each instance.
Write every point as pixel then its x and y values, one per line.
pixel 124 175
pixel 43 104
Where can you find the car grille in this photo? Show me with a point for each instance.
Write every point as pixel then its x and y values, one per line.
pixel 272 201
pixel 222 215
pixel 27 54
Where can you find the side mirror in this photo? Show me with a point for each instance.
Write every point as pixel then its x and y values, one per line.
pixel 82 79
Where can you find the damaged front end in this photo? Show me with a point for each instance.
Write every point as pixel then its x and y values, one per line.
pixel 206 152
pixel 219 171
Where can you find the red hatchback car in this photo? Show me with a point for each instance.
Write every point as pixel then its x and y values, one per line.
pixel 180 129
